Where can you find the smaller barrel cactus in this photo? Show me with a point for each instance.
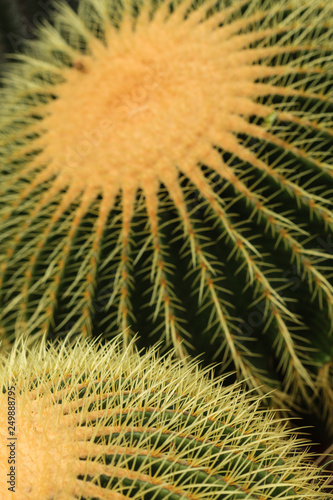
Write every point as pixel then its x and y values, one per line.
pixel 104 423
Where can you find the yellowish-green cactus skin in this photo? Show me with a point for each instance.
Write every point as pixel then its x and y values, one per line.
pixel 166 168
pixel 111 424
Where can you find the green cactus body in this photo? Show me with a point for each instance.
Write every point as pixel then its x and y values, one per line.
pixel 166 168
pixel 110 424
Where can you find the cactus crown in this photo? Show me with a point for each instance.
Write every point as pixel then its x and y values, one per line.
pixel 143 146
pixel 108 423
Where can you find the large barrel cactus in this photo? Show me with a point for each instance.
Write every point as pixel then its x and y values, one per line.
pixel 108 424
pixel 166 167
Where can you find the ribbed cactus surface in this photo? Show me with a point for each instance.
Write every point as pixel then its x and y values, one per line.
pixel 108 424
pixel 166 167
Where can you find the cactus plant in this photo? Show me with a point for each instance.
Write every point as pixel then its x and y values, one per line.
pixel 166 168
pixel 111 424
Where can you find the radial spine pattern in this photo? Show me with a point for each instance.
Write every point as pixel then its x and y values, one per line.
pixel 166 167
pixel 108 424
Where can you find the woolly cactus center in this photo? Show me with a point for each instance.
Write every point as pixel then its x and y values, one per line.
pixel 44 445
pixel 132 111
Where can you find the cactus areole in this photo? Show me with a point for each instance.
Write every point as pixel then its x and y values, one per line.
pixel 166 167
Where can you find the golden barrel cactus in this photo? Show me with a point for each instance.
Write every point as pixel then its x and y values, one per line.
pixel 166 168
pixel 110 424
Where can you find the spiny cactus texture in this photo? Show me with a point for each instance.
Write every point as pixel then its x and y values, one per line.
pixel 109 424
pixel 166 168
pixel 19 18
